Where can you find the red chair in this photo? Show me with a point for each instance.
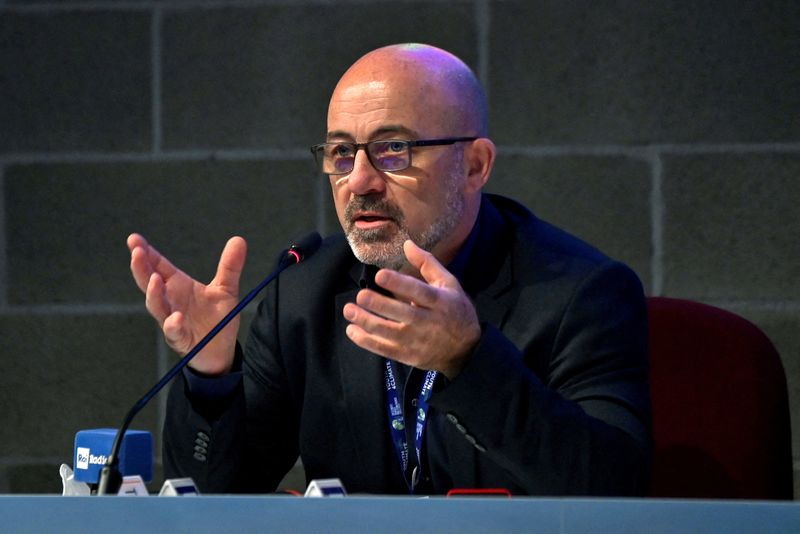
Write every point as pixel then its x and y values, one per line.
pixel 720 409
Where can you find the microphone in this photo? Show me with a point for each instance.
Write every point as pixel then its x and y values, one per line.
pixel 110 476
pixel 93 447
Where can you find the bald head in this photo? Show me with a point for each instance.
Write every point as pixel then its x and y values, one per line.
pixel 442 86
pixel 409 93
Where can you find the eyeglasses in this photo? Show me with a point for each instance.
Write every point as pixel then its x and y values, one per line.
pixel 385 155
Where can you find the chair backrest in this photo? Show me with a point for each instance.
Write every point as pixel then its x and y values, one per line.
pixel 720 410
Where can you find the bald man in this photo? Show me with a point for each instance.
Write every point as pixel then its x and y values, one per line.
pixel 450 339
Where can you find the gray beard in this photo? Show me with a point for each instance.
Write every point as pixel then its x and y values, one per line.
pixel 383 247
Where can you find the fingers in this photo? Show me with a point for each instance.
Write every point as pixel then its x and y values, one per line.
pixel 376 345
pixel 156 300
pixel 176 334
pixel 420 292
pixel 183 307
pixel 376 334
pixel 140 267
pixel 395 309
pixel 381 315
pixel 231 264
pixel 429 323
pixel 145 260
pixel 135 240
pixel 429 267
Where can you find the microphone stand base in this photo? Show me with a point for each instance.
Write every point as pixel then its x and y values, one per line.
pixel 110 481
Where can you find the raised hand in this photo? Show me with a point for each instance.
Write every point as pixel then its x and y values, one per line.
pixel 428 324
pixel 186 309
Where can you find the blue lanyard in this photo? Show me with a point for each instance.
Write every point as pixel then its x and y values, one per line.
pixel 397 423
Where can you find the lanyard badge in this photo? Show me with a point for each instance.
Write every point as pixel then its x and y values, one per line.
pixel 397 421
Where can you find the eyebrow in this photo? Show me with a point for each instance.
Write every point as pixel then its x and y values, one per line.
pixel 383 130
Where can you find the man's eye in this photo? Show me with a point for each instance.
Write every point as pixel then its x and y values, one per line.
pixel 397 146
pixel 384 148
pixel 342 151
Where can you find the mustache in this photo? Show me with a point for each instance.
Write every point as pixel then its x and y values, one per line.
pixel 373 203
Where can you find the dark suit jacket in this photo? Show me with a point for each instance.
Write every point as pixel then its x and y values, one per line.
pixel 554 399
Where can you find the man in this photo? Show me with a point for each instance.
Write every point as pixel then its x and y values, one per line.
pixel 453 340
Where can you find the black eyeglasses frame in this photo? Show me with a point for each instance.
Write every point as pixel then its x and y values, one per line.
pixel 316 149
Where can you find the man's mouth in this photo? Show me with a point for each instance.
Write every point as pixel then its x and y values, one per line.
pixel 370 220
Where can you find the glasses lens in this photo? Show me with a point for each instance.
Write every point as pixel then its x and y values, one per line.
pixel 389 155
pixel 336 158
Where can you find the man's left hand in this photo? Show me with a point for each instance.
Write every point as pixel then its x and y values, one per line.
pixel 428 324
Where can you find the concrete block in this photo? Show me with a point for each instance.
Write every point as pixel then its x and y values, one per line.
pixel 604 200
pixel 731 225
pixel 67 224
pixel 644 72
pixel 75 80
pixel 72 372
pixel 262 76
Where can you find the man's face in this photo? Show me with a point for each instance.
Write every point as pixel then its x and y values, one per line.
pixel 379 210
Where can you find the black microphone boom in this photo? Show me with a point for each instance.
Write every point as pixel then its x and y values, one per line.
pixel 110 477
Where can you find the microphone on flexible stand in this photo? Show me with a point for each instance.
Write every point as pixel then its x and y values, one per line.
pixel 110 476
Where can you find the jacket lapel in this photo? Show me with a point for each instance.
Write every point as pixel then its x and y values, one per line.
pixel 489 277
pixel 362 373
pixel 494 302
pixel 364 401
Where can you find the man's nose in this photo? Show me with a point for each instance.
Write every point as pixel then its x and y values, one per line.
pixel 365 179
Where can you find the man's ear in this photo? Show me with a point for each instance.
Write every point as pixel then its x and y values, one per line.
pixel 479 159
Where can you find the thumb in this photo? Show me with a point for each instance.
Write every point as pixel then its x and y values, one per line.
pixel 428 266
pixel 231 264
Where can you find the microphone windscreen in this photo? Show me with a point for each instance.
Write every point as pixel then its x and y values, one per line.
pixel 307 245
pixel 93 447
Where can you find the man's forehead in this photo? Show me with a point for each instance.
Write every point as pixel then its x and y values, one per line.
pixel 381 131
pixel 367 109
pixel 369 85
pixel 376 91
pixel 352 87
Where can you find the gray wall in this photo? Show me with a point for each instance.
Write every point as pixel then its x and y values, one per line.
pixel 667 133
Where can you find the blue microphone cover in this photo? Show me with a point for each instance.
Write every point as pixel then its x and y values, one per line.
pixel 92 448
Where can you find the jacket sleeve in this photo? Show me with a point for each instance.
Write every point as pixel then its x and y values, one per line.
pixel 244 441
pixel 580 423
pixel 203 437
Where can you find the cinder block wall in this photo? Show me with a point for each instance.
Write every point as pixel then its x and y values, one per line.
pixel 667 133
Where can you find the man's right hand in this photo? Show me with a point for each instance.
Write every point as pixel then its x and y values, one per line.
pixel 187 310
